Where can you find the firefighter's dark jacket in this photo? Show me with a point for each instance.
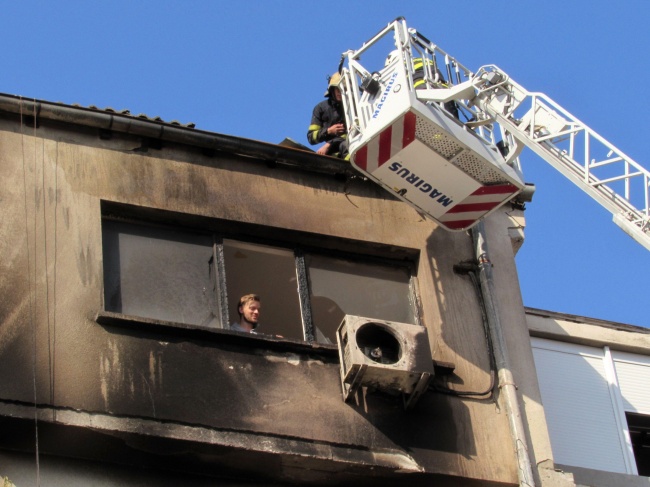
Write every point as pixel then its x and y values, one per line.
pixel 327 113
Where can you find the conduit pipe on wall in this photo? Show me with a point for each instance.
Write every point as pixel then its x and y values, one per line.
pixel 505 377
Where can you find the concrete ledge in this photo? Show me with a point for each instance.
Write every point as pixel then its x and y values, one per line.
pixel 588 331
pixel 598 478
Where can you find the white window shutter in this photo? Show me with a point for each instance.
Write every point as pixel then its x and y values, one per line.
pixel 633 372
pixel 579 408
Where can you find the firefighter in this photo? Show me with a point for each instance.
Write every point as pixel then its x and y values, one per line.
pixel 419 82
pixel 328 122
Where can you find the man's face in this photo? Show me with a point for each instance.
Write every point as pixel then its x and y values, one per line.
pixel 337 94
pixel 251 311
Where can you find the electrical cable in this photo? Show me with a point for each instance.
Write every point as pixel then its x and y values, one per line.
pixel 471 272
pixel 31 286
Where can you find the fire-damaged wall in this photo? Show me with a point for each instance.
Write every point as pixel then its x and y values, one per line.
pixel 196 396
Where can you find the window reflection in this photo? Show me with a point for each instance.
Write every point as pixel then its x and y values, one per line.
pixel 159 273
pixel 339 287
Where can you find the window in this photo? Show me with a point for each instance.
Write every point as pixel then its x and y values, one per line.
pixel 269 272
pixel 339 287
pixel 579 410
pixel 596 402
pixel 159 273
pixel 639 427
pixel 197 278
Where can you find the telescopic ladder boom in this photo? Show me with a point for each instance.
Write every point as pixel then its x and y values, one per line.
pixel 596 166
pixel 494 109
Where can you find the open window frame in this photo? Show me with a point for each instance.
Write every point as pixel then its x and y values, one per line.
pixel 233 257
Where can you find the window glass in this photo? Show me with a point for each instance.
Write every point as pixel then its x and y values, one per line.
pixel 269 272
pixel 159 273
pixel 170 274
pixel 339 287
pixel 639 428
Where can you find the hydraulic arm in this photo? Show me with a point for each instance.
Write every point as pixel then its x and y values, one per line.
pixel 447 140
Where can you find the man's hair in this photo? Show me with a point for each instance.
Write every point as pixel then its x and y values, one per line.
pixel 246 298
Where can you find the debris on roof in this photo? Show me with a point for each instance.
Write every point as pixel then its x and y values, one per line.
pixel 141 116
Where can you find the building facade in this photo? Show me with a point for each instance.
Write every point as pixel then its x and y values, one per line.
pixel 126 244
pixel 594 378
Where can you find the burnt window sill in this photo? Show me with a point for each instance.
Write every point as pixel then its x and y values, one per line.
pixel 183 331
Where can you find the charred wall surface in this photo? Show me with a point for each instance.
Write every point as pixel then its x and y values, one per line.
pixel 212 394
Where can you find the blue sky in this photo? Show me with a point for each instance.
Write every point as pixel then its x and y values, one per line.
pixel 255 69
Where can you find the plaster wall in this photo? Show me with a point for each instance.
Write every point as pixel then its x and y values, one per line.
pixel 51 285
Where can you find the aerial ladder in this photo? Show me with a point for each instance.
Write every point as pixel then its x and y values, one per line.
pixel 447 140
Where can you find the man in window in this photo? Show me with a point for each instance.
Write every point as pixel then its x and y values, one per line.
pixel 249 313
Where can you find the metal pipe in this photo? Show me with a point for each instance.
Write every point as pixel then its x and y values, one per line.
pixel 505 377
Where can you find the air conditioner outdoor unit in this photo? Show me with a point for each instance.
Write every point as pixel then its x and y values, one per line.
pixel 384 355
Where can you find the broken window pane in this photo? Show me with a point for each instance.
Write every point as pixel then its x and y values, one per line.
pixel 269 272
pixel 339 287
pixel 159 273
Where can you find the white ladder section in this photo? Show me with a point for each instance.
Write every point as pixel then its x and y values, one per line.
pixel 490 100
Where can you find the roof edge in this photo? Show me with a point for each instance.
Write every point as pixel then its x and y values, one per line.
pixel 159 130
pixel 584 320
